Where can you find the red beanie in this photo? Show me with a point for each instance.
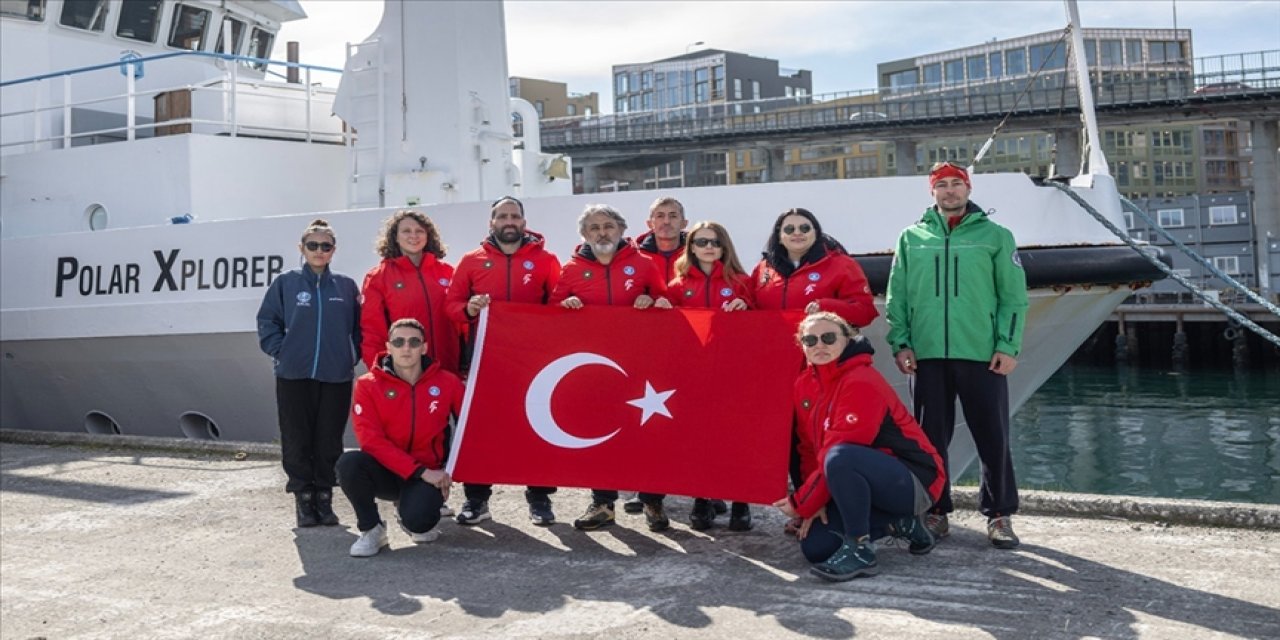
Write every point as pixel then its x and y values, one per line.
pixel 949 170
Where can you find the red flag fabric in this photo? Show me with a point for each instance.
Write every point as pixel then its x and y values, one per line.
pixel 692 402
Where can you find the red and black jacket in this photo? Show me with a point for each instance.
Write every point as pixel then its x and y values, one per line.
pixel 405 427
pixel 628 276
pixel 647 243
pixel 395 289
pixel 697 289
pixel 825 274
pixel 528 275
pixel 849 402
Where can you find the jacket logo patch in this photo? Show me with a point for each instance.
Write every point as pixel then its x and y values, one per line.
pixel 391 394
pixel 726 292
pixel 528 277
pixel 1017 260
pixel 357 408
pixel 850 418
pixel 814 277
pixel 810 288
pixel 628 284
pixel 488 264
pixel 805 403
pixel 586 274
pixel 528 265
pixel 629 270
pixel 399 285
pixel 304 297
pixel 444 282
pixel 826 424
pixel 688 293
pixel 434 391
pixel 435 404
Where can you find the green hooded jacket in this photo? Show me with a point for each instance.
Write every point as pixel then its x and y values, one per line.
pixel 956 293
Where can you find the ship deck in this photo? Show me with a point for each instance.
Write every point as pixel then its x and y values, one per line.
pixel 110 542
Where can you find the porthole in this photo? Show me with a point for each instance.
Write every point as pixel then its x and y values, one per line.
pixel 96 215
pixel 100 423
pixel 198 426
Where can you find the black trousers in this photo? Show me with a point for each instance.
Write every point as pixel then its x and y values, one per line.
pixel 313 417
pixel 364 481
pixel 984 398
pixel 482 492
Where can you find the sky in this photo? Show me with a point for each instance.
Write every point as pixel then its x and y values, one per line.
pixel 578 41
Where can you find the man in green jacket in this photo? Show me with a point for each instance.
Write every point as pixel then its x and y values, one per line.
pixel 956 304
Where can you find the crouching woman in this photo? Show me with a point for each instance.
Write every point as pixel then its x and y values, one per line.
pixel 868 470
pixel 401 415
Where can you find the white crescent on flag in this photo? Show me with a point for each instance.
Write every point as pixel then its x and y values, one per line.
pixel 537 400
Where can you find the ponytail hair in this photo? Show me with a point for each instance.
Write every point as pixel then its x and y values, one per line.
pixel 319 225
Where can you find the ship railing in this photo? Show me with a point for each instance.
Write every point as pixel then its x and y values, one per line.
pixel 42 112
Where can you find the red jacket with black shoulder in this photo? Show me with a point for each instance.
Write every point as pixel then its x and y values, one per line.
pixel 628 276
pixel 405 427
pixel 395 289
pixel 697 289
pixel 831 278
pixel 528 275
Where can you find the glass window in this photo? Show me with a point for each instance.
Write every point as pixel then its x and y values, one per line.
pixel 932 74
pixel 1229 265
pixel 1226 214
pixel 955 72
pixel 737 88
pixel 84 14
pixel 139 20
pixel 976 67
pixel 1170 217
pixel 903 80
pixel 187 30
pixel 1051 55
pixel 260 46
pixel 1133 52
pixel 32 10
pixel 646 80
pixel 1164 51
pixel 1111 53
pixel 620 105
pixel 755 89
pixel 620 83
pixel 1015 62
pixel 571 109
pixel 1128 219
pixel 1091 52
pixel 997 64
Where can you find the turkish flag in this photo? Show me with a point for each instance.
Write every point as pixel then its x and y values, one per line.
pixel 692 402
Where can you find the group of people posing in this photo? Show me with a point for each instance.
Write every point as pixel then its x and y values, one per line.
pixel 863 466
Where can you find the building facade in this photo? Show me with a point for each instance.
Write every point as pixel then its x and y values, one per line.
pixel 552 99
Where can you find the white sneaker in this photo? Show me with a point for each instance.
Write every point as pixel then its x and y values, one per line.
pixel 446 511
pixel 370 542
pixel 420 538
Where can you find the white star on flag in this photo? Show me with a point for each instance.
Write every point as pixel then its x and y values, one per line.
pixel 652 402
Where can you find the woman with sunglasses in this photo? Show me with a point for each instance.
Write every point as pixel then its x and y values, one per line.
pixel 803 268
pixel 708 275
pixel 868 469
pixel 309 323
pixel 409 282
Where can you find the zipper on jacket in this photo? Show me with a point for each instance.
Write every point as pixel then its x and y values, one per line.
pixel 413 416
pixel 946 299
pixel 315 361
pixel 431 317
pixel 786 281
pixel 707 289
pixel 608 283
pixel 508 278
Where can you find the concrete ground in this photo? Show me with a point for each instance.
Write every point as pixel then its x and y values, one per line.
pixel 99 543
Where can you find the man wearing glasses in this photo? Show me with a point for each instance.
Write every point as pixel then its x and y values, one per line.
pixel 511 265
pixel 956 304
pixel 401 414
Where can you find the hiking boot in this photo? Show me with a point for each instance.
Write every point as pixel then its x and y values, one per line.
pixel 1000 533
pixel 598 515
pixel 720 507
pixel 852 559
pixel 633 505
pixel 656 517
pixel 540 513
pixel 305 507
pixel 474 512
pixel 913 530
pixel 702 515
pixel 370 542
pixel 324 507
pixel 419 538
pixel 937 525
pixel 740 517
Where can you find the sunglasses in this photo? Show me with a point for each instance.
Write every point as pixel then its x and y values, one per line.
pixel 810 340
pixel 319 246
pixel 791 228
pixel 398 343
pixel 703 243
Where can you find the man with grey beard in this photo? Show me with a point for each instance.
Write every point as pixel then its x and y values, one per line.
pixel 608 269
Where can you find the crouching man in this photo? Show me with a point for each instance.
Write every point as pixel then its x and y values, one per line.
pixel 401 414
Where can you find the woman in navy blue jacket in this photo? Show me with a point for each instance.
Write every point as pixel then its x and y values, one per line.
pixel 309 323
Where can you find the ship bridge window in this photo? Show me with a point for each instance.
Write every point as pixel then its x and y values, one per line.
pixel 187 30
pixel 32 10
pixel 84 14
pixel 260 46
pixel 139 20
pixel 237 36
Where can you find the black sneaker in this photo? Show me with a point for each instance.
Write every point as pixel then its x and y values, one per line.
pixel 656 517
pixel 720 507
pixel 474 512
pixel 540 513
pixel 597 515
pixel 702 515
pixel 633 505
pixel 853 559
pixel 913 530
pixel 324 507
pixel 305 507
pixel 740 517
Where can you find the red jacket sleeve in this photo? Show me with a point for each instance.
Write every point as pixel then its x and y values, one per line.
pixel 854 418
pixel 852 300
pixel 373 316
pixel 564 281
pixel 742 288
pixel 657 286
pixel 371 431
pixel 552 265
pixel 459 293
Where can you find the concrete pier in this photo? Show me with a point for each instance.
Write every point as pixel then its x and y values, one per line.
pixel 100 542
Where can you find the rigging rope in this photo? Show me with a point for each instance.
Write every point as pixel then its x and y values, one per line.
pixel 1199 293
pixel 1030 81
